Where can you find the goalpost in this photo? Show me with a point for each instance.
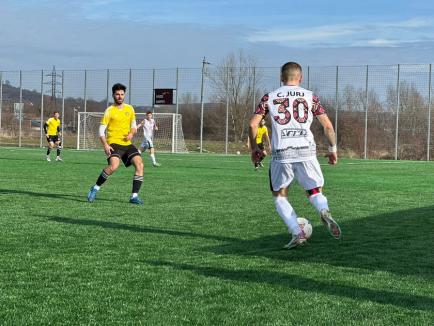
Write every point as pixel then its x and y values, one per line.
pixel 168 138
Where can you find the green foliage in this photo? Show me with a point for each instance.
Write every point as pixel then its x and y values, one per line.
pixel 206 246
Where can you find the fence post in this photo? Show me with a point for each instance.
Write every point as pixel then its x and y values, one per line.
pixel 1 98
pixel 202 90
pixel 308 77
pixel 108 88
pixel 227 111
pixel 63 108
pixel 42 109
pixel 153 90
pixel 429 115
pixel 130 97
pixel 20 110
pixel 85 110
pixel 176 110
pixel 337 104
pixel 365 156
pixel 397 113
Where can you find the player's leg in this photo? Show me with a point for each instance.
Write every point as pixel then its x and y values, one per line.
pixel 310 177
pixel 59 148
pixel 114 161
pixel 264 154
pixel 152 154
pixel 135 159
pixel 49 148
pixel 281 176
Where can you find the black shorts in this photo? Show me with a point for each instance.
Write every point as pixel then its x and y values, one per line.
pixel 125 153
pixel 261 146
pixel 52 138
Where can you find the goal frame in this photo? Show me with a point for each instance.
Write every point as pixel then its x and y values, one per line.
pixel 175 117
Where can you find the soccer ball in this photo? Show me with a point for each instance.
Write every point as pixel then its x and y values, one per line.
pixel 305 226
pixel 238 153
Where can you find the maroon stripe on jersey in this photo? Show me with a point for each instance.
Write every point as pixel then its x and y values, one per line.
pixel 262 107
pixel 317 108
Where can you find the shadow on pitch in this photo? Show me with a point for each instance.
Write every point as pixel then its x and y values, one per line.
pixel 81 198
pixel 399 242
pixel 135 228
pixel 297 282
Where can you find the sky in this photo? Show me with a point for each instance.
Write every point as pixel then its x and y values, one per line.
pixel 101 34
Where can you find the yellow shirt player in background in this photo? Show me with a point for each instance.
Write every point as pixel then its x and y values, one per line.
pixel 261 153
pixel 52 133
pixel 119 121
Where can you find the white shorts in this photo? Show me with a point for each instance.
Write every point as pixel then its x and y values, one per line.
pixel 308 174
pixel 147 143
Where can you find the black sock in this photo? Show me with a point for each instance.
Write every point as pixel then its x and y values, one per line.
pixel 58 151
pixel 137 183
pixel 48 150
pixel 102 178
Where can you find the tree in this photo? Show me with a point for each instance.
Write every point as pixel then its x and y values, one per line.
pixel 235 80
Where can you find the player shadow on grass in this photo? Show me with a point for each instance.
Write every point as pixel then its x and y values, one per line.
pixel 46 195
pixel 136 228
pixel 297 282
pixel 398 242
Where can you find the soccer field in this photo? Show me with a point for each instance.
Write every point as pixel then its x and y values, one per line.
pixel 206 246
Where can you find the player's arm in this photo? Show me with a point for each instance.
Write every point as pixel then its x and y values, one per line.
pixel 106 146
pixel 102 127
pixel 58 131
pixel 320 113
pixel 253 130
pixel 133 127
pixel 330 134
pixel 141 124
pixel 268 140
pixel 46 129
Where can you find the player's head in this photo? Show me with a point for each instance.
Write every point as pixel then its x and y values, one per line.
pixel 262 122
pixel 291 73
pixel 149 115
pixel 118 92
pixel 56 114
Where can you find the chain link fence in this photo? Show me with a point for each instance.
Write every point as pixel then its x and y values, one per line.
pixel 379 112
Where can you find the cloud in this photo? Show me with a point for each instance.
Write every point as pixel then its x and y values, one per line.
pixel 385 34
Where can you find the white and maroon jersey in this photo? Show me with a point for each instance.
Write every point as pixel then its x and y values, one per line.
pixel 148 128
pixel 291 109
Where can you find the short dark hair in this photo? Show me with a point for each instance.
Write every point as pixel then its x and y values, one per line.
pixel 149 112
pixel 56 112
pixel 290 70
pixel 119 87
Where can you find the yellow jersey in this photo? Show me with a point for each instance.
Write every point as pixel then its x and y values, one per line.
pixel 118 122
pixel 52 126
pixel 260 134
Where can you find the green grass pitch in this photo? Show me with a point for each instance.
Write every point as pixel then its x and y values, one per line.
pixel 206 246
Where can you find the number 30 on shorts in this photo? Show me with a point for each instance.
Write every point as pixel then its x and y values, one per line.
pixel 299 104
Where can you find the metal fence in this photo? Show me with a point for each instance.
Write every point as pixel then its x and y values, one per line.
pixel 377 111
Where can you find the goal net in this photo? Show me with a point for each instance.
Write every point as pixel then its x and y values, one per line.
pixel 168 138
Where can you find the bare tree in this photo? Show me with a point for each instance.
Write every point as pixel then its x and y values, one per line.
pixel 234 80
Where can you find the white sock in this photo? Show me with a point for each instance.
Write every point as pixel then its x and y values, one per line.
pixel 96 187
pixel 134 195
pixel 287 214
pixel 319 201
pixel 153 158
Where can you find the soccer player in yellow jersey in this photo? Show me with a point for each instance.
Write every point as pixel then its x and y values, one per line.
pixel 52 133
pixel 261 134
pixel 119 121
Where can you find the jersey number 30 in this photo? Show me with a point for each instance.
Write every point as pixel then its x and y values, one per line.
pixel 299 104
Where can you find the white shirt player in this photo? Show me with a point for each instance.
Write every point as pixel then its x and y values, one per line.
pixel 291 109
pixel 148 128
